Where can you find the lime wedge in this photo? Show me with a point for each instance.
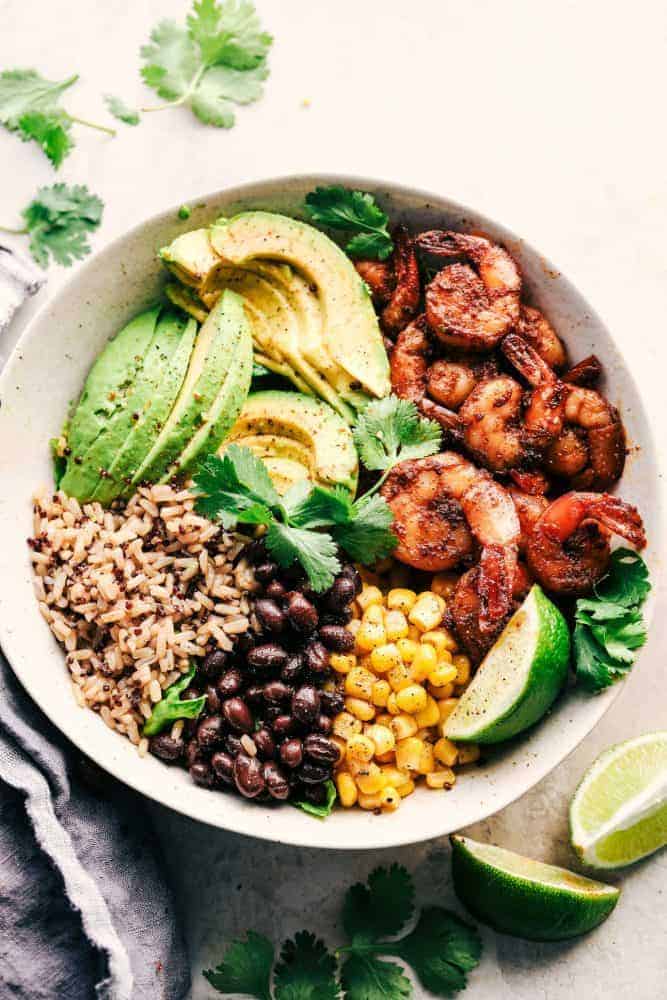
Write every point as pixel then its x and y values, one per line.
pixel 527 898
pixel 619 812
pixel 519 677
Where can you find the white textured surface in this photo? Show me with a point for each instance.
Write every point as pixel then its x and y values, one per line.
pixel 547 117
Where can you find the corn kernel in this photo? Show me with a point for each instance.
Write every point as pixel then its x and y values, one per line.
pixel 462 664
pixel 406 789
pixel 438 639
pixel 374 614
pixel 382 737
pixel 441 693
pixel 444 584
pixel 409 754
pixel 370 802
pixel 340 744
pixel 384 658
pixel 425 734
pixel 429 715
pixel 414 633
pixel 390 799
pixel 369 636
pixel 396 625
pixel 412 699
pixel 342 663
pixel 371 782
pixel 360 709
pixel 354 626
pixel 400 677
pixel 407 649
pixel 443 674
pixel 385 758
pixel 468 754
pixel 359 683
pixel 403 726
pixel 345 725
pixel 426 759
pixel 401 599
pixel 347 789
pixel 441 779
pixel 424 663
pixel 360 748
pixel 392 707
pixel 381 691
pixel 384 719
pixel 395 777
pixel 369 595
pixel 427 612
pixel 445 752
pixel 446 707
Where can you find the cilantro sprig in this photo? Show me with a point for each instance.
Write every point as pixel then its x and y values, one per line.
pixel 609 627
pixel 353 212
pixel 120 110
pixel 441 949
pixel 58 221
pixel 309 523
pixel 170 707
pixel 30 106
pixel 214 61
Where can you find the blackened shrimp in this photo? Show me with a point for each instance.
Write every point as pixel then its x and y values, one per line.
pixel 471 307
pixel 491 423
pixel 410 361
pixel 451 380
pixel 568 546
pixel 529 508
pixel 536 329
pixel 465 610
pixel 444 508
pixel 394 285
pixel 380 279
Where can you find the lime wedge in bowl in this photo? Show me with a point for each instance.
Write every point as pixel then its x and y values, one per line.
pixel 527 898
pixel 519 677
pixel 619 812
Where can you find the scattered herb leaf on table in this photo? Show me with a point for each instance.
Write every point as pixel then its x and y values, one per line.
pixel 121 111
pixel 58 221
pixel 355 213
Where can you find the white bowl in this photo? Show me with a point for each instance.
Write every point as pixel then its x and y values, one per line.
pixel 47 370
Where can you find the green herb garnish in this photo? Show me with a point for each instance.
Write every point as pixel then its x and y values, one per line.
pixel 327 806
pixel 171 708
pixel 30 106
pixel 218 59
pixel 609 627
pixel 355 213
pixel 121 111
pixel 58 221
pixel 442 949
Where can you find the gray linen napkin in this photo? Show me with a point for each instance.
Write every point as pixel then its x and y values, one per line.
pixel 84 907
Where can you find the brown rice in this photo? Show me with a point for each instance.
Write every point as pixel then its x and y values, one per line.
pixel 134 594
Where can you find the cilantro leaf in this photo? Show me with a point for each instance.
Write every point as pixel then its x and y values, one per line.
pixel 367 536
pixel 327 806
pixel 357 212
pixel 245 968
pixel 171 707
pixel 317 507
pixel 236 485
pixel 306 971
pixel 365 977
pixel 627 581
pixel 59 220
pixel 390 430
pixel 121 111
pixel 380 908
pixel 50 132
pixel 314 551
pixel 217 60
pixel 441 949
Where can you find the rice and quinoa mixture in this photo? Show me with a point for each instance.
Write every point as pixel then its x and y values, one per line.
pixel 133 594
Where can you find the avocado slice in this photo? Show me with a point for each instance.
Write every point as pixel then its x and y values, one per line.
pixel 83 478
pixel 106 387
pixel 192 259
pixel 145 431
pixel 299 430
pixel 187 300
pixel 212 360
pixel 352 335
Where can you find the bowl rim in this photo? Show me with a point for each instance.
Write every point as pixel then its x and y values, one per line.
pixel 539 769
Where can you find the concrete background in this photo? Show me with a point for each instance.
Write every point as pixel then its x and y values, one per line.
pixel 549 117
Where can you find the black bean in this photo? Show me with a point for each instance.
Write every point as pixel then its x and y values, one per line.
pixel 266 747
pixel 211 732
pixel 342 617
pixel 238 715
pixel 317 657
pixel 336 638
pixel 320 749
pixel 293 669
pixel 191 694
pixel 165 748
pixel 276 782
pixel 302 614
pixel 332 702
pixel 282 726
pixel 313 774
pixel 275 590
pixel 255 552
pixel 233 745
pixel 223 765
pixel 202 774
pixel 254 694
pixel 352 573
pixel 271 712
pixel 230 683
pixel 269 615
pixel 266 571
pixel 291 753
pixel 248 776
pixel 193 753
pixel 306 703
pixel 268 656
pixel 213 664
pixel 245 642
pixel 276 691
pixel 212 699
pixel 324 724
pixel 317 794
pixel 342 592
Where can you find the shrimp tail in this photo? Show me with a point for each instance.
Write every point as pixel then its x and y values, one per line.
pixel 450 422
pixel 497 568
pixel 404 301
pixel 586 373
pixel 526 360
pixel 618 516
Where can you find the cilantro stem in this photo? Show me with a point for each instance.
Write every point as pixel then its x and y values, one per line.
pixel 84 121
pixel 13 232
pixel 192 86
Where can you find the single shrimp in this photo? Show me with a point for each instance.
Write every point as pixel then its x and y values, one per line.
pixel 491 423
pixel 536 329
pixel 568 546
pixel 465 610
pixel 380 279
pixel 579 432
pixel 451 380
pixel 410 361
pixel 471 307
pixel 394 285
pixel 444 507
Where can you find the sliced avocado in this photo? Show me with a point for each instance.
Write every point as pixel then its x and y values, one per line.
pixel 187 300
pixel 83 478
pixel 109 380
pixel 212 358
pixel 282 424
pixel 192 259
pixel 225 408
pixel 281 368
pixel 351 332
pixel 143 435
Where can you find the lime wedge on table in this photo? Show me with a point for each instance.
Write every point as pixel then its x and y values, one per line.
pixel 527 898
pixel 519 677
pixel 619 812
